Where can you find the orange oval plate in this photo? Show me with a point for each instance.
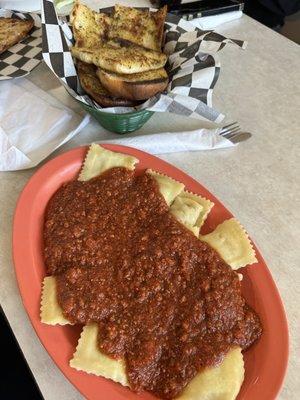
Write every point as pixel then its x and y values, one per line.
pixel 265 362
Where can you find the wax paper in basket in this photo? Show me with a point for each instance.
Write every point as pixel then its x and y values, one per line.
pixel 24 56
pixel 193 72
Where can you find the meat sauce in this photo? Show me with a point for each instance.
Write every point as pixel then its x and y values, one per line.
pixel 164 301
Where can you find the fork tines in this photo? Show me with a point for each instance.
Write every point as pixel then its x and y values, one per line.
pixel 230 129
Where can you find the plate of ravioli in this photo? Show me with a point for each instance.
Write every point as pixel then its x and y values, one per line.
pixel 141 284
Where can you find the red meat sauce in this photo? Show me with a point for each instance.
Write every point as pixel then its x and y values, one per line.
pixel 164 301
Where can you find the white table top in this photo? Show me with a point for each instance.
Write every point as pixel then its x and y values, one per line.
pixel 258 180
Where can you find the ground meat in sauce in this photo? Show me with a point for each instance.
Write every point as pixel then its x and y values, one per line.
pixel 164 300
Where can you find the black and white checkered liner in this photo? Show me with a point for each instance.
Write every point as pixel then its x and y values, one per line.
pixel 21 58
pixel 192 70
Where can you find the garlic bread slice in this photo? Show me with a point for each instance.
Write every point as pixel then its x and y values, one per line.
pixel 113 57
pixel 138 86
pixel 89 27
pixel 12 31
pixel 142 27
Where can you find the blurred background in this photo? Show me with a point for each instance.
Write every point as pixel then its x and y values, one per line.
pixel 281 15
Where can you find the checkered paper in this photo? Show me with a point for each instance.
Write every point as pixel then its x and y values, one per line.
pixel 192 68
pixel 24 56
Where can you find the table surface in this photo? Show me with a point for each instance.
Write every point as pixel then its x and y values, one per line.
pixel 257 180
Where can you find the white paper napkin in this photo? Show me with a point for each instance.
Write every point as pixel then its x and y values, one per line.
pixel 172 142
pixel 211 22
pixel 31 126
pixel 21 5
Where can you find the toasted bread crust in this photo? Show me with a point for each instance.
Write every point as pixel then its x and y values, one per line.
pixel 134 86
pixel 141 27
pixel 12 31
pixel 113 57
pixel 160 17
pixel 92 85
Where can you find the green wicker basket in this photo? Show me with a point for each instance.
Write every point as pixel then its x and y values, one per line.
pixel 120 123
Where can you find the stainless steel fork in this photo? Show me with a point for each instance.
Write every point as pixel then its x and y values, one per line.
pixel 233 133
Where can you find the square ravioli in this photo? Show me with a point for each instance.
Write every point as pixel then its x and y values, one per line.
pixel 51 312
pixel 191 210
pixel 220 382
pixel 88 358
pixel 168 187
pixel 232 243
pixel 99 159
